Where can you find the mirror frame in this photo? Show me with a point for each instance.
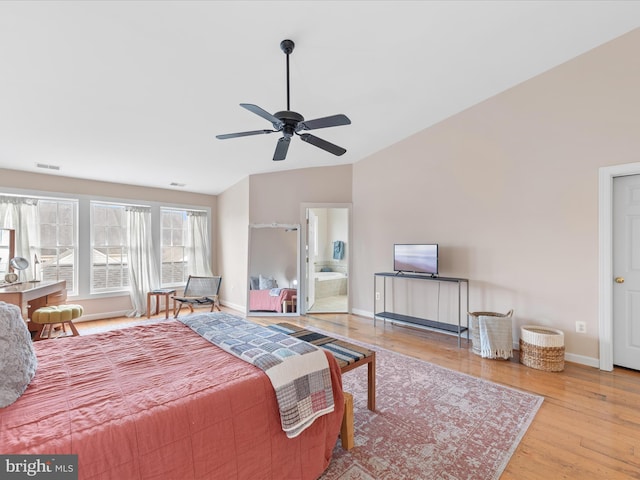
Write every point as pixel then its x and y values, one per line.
pixel 284 226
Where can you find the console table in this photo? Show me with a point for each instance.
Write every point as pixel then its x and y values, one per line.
pixel 463 289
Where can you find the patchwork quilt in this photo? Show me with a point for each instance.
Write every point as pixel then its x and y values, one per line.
pixel 299 371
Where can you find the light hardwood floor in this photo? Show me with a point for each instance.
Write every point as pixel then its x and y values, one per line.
pixel 587 428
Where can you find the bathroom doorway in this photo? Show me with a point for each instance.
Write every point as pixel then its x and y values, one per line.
pixel 327 258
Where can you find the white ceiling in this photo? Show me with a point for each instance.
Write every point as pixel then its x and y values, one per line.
pixel 135 91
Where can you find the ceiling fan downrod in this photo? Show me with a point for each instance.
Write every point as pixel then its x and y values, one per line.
pixel 287 47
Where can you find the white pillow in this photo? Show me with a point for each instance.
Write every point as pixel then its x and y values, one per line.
pixel 18 360
pixel 267 283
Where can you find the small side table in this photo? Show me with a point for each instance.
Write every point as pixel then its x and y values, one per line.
pixel 166 293
pixel 293 303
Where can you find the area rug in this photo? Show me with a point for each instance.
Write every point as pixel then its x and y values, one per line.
pixel 430 423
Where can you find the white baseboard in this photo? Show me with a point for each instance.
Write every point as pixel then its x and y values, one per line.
pixel 362 313
pixel 582 360
pixel 102 316
pixel 233 306
pixel 569 357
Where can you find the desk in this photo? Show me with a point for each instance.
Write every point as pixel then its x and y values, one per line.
pixel 30 296
pixel 166 293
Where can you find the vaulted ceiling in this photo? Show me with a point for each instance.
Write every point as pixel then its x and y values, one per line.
pixel 135 91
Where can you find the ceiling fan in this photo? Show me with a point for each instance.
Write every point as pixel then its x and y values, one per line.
pixel 289 122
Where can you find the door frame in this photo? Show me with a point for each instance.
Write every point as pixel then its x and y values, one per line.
pixel 304 244
pixel 605 260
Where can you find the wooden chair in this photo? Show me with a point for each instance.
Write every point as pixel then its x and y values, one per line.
pixel 199 291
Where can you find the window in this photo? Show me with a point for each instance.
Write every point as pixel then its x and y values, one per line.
pixel 58 241
pixel 173 269
pixel 84 241
pixel 109 266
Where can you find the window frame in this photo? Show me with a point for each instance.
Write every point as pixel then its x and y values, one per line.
pixel 123 266
pixel 83 231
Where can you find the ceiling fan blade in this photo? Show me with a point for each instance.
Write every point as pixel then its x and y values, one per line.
pixel 324 122
pixel 277 123
pixel 323 144
pixel 243 134
pixel 281 148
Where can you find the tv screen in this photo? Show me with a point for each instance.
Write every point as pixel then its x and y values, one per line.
pixel 416 258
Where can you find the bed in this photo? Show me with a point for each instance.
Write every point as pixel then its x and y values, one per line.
pixel 160 401
pixel 270 300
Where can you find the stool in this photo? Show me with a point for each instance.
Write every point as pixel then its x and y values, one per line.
pixel 167 294
pixel 47 317
pixel 293 303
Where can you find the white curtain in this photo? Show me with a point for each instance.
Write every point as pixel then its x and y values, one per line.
pixel 143 270
pixel 198 249
pixel 21 215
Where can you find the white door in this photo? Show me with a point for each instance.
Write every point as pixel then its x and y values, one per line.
pixel 312 248
pixel 626 271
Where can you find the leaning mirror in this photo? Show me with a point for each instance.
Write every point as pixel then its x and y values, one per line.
pixel 273 270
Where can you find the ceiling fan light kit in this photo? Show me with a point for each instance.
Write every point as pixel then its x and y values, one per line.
pixel 291 123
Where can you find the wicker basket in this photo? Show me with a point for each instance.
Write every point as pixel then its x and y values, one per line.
pixel 542 348
pixel 474 329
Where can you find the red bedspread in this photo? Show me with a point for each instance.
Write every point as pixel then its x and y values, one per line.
pixel 262 300
pixel 158 401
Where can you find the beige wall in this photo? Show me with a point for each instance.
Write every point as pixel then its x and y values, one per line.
pixel 276 197
pixel 265 199
pixel 101 307
pixel 233 251
pixel 509 189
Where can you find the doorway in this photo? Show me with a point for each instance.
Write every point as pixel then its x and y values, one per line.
pixel 607 282
pixel 626 271
pixel 327 258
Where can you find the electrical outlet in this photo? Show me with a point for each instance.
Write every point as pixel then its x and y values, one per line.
pixel 377 295
pixel 581 327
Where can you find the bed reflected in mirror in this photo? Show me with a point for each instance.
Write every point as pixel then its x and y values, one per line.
pixel 273 270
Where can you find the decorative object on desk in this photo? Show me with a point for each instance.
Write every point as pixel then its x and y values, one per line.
pixel 36 268
pixel 430 423
pixel 11 277
pixel 491 334
pixel 20 264
pixel 542 348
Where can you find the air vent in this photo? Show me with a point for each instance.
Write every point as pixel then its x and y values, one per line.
pixel 176 184
pixel 47 166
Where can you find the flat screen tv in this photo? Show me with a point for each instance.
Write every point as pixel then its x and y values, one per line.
pixel 416 258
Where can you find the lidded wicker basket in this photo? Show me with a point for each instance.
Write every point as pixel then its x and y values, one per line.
pixel 542 348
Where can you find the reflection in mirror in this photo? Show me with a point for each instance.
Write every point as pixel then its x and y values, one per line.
pixel 7 248
pixel 273 269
